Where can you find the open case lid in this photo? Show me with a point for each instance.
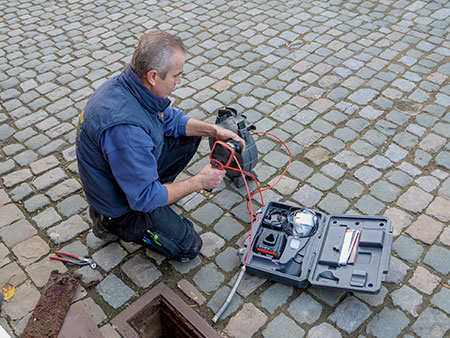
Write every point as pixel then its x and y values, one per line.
pixel 371 262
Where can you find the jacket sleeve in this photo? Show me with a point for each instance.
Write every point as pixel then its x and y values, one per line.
pixel 175 122
pixel 128 150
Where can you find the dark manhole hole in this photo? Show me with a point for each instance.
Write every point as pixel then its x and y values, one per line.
pixel 162 313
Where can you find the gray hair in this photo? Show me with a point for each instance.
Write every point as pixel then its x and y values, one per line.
pixel 155 51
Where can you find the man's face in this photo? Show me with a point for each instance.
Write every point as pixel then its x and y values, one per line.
pixel 163 87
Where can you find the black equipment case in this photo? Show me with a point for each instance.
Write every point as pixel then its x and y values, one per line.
pixel 279 255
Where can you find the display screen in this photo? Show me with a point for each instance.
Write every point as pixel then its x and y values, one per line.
pixel 221 153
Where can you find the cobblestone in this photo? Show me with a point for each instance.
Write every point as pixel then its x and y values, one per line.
pixel 71 206
pixel 431 322
pixel 142 272
pixel 46 218
pixel 208 278
pixel 211 244
pixel 10 213
pixel 275 296
pixel 324 330
pixel 25 298
pixel 387 323
pixel 207 214
pixel 246 322
pixel 305 309
pixel 190 291
pixel 425 229
pixel 17 232
pixel 283 326
pixel 114 291
pixel 350 314
pixel 30 250
pixel 68 229
pixel 228 260
pixel 110 256
pixel 414 199
pixel 219 298
pixel 437 257
pixel 407 299
pixel 408 249
pixel 442 300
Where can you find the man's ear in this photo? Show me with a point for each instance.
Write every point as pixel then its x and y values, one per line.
pixel 151 77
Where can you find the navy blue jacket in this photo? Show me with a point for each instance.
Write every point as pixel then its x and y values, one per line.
pixel 120 138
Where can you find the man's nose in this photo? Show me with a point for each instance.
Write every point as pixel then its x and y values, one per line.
pixel 178 79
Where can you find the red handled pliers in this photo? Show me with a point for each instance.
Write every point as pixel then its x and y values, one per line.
pixel 74 259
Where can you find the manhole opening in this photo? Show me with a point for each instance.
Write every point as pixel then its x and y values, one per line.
pixel 161 313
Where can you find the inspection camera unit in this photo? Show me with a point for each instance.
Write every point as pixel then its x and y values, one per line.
pixel 295 245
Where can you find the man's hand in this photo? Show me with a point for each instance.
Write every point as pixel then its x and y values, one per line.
pixel 210 178
pixel 223 134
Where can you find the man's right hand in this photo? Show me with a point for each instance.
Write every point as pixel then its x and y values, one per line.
pixel 210 178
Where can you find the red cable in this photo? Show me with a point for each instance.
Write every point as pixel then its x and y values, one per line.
pixel 247 173
pixel 251 210
pixel 282 174
pixel 249 201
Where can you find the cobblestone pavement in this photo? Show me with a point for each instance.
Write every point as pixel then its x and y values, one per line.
pixel 360 92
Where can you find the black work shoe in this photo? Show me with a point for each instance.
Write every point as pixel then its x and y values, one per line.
pixel 99 230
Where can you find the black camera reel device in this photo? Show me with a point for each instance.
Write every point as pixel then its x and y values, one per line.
pixel 223 153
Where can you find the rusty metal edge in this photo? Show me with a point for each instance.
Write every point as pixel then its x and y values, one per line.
pixel 127 331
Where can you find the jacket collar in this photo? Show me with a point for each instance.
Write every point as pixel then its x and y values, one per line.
pixel 143 95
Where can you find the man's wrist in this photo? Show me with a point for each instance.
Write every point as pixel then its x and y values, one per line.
pixel 215 131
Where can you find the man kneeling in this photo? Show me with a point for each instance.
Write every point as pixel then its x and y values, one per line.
pixel 132 144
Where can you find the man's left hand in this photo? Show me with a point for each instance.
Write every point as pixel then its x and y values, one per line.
pixel 223 134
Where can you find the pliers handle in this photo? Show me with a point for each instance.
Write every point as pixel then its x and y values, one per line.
pixel 74 259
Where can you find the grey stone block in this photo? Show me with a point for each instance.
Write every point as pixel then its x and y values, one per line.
pixel 431 323
pixel 110 256
pixel 36 202
pixel 50 178
pixel 305 309
pixel 387 323
pixel 21 192
pixel 208 278
pixel 71 206
pixel 228 260
pixel 17 232
pixel 207 214
pixel 397 271
pixel 321 182
pixel 46 218
pixel 114 291
pixel 367 174
pixel 407 249
pixel 228 227
pixel 350 314
pixel 219 298
pixel 307 196
pixel 385 191
pixel 141 271
pixel 438 258
pixel 442 300
pixel 68 229
pixel 275 296
pixel 408 299
pixel 211 244
pixel 282 326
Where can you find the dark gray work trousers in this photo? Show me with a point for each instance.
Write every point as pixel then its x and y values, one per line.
pixel 162 230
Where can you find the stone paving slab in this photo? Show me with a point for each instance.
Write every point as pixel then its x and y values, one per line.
pixel 358 90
